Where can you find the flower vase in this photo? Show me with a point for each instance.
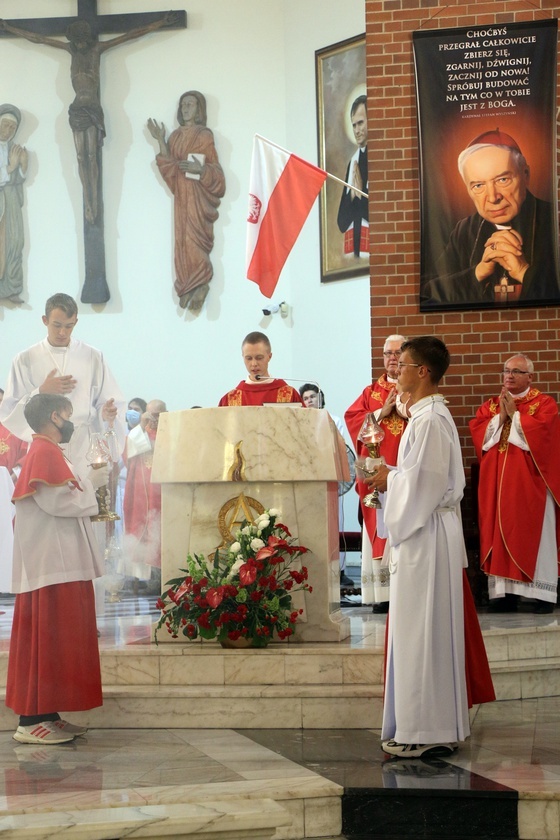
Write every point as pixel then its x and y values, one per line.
pixel 241 642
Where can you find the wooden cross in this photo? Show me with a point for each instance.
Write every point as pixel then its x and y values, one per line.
pixel 85 113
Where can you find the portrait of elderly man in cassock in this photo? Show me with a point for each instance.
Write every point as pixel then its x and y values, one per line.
pixel 505 253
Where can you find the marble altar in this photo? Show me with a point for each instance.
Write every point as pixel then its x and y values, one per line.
pixel 220 465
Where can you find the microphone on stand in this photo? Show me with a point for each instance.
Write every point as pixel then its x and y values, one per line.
pixel 258 377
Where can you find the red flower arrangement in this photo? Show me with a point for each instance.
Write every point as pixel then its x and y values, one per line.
pixel 243 593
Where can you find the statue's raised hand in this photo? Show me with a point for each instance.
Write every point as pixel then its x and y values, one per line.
pixel 156 130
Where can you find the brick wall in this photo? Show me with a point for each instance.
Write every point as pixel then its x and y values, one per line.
pixel 479 341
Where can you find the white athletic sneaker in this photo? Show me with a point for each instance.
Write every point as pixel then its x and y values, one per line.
pixel 41 733
pixel 418 750
pixel 70 728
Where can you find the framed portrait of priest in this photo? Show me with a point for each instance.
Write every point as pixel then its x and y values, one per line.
pixel 342 135
pixel 486 101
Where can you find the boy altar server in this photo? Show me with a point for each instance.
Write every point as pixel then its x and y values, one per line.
pixel 54 657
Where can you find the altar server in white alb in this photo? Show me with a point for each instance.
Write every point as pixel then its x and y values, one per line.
pixel 426 708
pixel 61 364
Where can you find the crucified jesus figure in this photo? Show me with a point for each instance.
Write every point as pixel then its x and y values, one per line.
pixel 85 113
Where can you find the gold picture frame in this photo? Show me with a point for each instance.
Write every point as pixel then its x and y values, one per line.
pixel 341 80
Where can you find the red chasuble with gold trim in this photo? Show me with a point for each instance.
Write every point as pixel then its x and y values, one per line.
pixel 12 449
pixel 513 485
pixel 276 391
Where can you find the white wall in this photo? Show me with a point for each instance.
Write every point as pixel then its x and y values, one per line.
pixel 255 63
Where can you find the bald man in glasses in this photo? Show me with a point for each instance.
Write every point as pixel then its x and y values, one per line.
pixel 517 441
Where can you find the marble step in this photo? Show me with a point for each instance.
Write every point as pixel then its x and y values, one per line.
pixel 220 786
pixel 231 707
pixel 282 706
pixel 314 686
pixel 211 820
pixel 289 706
pixel 521 679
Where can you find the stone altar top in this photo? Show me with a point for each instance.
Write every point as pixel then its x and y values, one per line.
pixel 280 443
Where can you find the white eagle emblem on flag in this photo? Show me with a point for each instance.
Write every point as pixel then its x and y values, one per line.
pixel 255 206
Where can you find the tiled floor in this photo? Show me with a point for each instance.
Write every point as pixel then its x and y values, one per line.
pixel 514 744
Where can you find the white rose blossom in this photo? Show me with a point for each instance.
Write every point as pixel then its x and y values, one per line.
pixel 274 512
pixel 236 566
pixel 247 530
pixel 235 548
pixel 256 544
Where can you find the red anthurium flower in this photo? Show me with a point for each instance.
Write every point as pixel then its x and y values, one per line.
pixel 276 542
pixel 182 590
pixel 247 574
pixel 265 553
pixel 215 596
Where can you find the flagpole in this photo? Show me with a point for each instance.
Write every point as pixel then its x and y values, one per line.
pixel 340 181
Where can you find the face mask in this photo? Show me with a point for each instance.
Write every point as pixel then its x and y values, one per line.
pixel 66 430
pixel 132 417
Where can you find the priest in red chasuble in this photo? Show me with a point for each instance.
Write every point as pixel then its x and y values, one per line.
pixel 382 400
pixel 517 441
pixel 142 499
pixel 12 451
pixel 259 388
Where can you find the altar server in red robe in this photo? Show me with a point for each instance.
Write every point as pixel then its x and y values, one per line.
pixel 259 387
pixel 54 658
pixel 142 499
pixel 517 441
pixel 381 400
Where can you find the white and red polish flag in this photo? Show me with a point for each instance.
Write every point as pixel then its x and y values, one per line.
pixel 282 190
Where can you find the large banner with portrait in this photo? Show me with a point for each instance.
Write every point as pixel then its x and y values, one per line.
pixel 486 101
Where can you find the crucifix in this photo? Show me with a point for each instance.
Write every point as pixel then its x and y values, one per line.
pixel 85 112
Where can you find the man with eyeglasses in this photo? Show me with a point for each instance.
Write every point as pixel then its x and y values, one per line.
pixel 432 624
pixel 505 252
pixel 517 441
pixel 383 401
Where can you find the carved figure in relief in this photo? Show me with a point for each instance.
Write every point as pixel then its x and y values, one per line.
pixel 188 163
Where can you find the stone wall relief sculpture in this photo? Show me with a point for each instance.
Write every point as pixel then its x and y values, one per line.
pixel 13 169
